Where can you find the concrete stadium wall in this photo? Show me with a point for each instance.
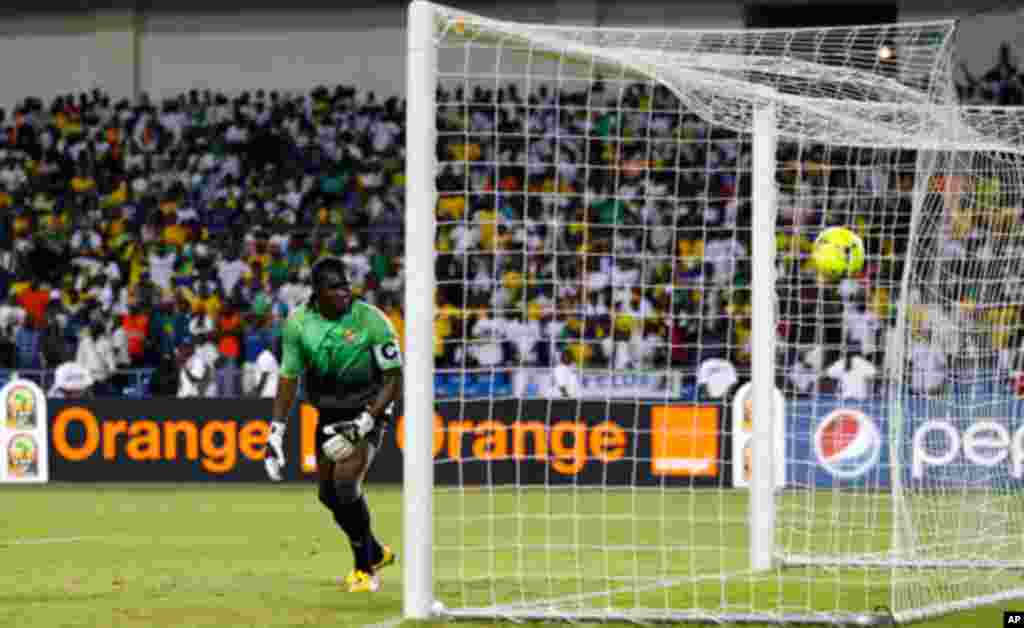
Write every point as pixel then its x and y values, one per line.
pixel 272 51
pixel 56 53
pixel 166 52
pixel 166 48
pixel 978 36
pixel 364 46
pixel 59 63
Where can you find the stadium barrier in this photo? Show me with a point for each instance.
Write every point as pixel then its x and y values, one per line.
pixel 134 382
pixel 827 442
pixel 531 441
pixel 448 384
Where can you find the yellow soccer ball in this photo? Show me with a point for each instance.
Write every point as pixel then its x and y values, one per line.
pixel 838 253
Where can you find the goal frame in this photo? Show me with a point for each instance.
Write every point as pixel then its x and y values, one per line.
pixel 418 393
pixel 420 280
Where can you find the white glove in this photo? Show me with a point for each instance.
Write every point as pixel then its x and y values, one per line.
pixel 345 435
pixel 274 457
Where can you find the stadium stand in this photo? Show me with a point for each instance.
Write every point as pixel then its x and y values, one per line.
pixel 136 236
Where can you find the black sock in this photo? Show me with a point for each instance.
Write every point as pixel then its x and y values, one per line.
pixel 354 519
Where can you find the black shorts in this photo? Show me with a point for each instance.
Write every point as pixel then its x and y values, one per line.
pixel 375 437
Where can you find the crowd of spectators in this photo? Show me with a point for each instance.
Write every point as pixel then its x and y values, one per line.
pixel 605 222
pixel 136 234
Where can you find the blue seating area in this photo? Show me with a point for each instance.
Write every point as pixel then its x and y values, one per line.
pixel 451 386
pixel 472 385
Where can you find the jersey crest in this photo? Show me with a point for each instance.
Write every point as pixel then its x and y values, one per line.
pixel 353 337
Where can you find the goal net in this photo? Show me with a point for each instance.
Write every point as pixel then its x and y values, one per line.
pixel 608 234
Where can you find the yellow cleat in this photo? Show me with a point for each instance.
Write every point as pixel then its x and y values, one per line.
pixel 362 582
pixel 387 558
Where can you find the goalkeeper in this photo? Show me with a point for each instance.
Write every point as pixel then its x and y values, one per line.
pixel 350 356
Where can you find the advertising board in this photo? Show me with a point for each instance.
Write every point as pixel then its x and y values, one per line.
pixel 828 443
pixel 536 441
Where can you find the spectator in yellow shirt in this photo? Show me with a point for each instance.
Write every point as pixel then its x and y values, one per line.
pixel 487 219
pixel 175 234
pixel 82 182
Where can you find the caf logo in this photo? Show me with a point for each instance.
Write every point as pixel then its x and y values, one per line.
pixel 22 456
pixel 390 351
pixel 22 408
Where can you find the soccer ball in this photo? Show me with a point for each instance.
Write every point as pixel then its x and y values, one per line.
pixel 838 253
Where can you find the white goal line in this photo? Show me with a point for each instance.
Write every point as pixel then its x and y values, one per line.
pixel 53 540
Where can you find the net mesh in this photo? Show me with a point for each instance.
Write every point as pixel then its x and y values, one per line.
pixel 594 209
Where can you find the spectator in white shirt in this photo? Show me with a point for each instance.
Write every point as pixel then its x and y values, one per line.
pixel 464 238
pixel 201 324
pixel 358 263
pixel 207 349
pixel 292 197
pixel 928 367
pixel 566 377
pixel 118 343
pixel 105 292
pixel 383 133
pixel 12 316
pixel 646 346
pixel 723 253
pixel 716 376
pixel 230 270
pixel 71 381
pixel 855 376
pixel 85 240
pixel 293 293
pixel 524 334
pixel 597 280
pixel 625 273
pixel 485 342
pixel 804 374
pixel 196 374
pixel 618 345
pixel 862 327
pixel 96 354
pixel 268 368
pixel 161 265
pixel 481 286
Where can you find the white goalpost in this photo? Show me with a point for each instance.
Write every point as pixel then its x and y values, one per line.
pixel 762 480
pixel 638 206
pixel 418 379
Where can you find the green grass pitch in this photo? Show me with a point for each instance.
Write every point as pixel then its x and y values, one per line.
pixel 269 555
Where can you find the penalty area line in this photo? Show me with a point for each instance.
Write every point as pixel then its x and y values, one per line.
pixel 50 540
pixel 394 622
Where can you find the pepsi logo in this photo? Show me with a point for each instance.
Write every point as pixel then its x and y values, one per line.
pixel 847 443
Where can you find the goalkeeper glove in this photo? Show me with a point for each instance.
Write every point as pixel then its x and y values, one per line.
pixel 345 435
pixel 274 458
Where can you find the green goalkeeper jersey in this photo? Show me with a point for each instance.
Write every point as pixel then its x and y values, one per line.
pixel 344 360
